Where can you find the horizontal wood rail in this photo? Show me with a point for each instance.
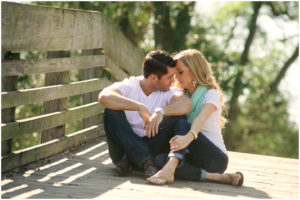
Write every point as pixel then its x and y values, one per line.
pixel 28 67
pixel 28 155
pixel 36 95
pixel 42 122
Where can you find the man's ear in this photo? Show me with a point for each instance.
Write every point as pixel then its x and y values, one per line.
pixel 153 77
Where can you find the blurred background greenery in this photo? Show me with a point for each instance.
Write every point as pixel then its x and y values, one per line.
pixel 251 46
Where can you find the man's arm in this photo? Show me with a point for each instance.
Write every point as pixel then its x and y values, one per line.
pixel 113 99
pixel 179 105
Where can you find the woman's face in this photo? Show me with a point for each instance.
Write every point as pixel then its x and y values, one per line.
pixel 183 75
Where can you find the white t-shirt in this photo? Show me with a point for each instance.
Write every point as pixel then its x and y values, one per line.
pixel 212 126
pixel 131 89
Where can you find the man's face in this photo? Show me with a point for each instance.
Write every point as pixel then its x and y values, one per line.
pixel 166 81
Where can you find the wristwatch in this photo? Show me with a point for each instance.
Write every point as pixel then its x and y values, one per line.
pixel 159 110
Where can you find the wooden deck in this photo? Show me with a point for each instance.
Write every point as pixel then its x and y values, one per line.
pixel 86 172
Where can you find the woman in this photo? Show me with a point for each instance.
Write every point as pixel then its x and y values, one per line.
pixel 197 149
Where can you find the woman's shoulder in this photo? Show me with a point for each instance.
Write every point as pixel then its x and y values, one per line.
pixel 212 96
pixel 213 92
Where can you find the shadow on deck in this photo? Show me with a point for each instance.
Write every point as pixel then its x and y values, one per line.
pixel 86 172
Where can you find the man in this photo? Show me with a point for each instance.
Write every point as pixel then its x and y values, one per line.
pixel 141 113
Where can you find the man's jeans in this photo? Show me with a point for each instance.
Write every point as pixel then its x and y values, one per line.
pixel 121 138
pixel 200 156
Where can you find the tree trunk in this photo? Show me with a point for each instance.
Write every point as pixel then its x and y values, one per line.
pixel 238 85
pixel 287 64
pixel 170 38
pixel 230 133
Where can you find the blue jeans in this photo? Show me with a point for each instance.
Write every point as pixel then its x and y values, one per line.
pixel 199 157
pixel 122 139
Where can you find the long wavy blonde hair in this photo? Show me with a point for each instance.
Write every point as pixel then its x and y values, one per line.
pixel 202 73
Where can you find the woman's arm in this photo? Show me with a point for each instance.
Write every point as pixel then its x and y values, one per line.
pixel 179 142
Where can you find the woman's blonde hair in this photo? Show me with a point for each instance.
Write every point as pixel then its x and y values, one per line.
pixel 202 73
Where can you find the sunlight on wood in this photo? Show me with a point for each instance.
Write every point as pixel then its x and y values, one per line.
pixel 72 178
pixel 51 175
pixel 90 149
pixel 14 189
pixel 107 162
pixel 98 155
pixel 6 181
pixel 29 172
pixel 28 194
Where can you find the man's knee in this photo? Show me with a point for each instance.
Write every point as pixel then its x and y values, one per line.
pixel 113 114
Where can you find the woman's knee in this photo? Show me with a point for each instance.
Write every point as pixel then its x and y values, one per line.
pixel 182 127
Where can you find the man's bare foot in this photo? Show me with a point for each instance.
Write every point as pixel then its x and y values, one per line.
pixel 162 177
pixel 235 179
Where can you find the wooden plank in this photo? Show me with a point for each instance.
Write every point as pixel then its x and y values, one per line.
pixel 40 28
pixel 8 114
pixel 121 51
pixel 55 78
pixel 52 147
pixel 36 95
pixel 92 96
pixel 79 179
pixel 46 121
pixel 114 70
pixel 28 67
pixel 9 130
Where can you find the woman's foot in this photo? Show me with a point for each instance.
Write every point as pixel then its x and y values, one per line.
pixel 166 174
pixel 235 179
pixel 162 177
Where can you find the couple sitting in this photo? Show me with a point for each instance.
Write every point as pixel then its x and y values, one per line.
pixel 155 121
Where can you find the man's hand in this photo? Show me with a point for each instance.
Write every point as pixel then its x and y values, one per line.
pixel 144 114
pixel 152 126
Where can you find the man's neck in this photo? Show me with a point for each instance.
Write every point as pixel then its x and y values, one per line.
pixel 146 87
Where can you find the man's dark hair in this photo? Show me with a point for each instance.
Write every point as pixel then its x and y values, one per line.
pixel 157 62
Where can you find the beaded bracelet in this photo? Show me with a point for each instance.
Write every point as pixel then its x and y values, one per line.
pixel 194 134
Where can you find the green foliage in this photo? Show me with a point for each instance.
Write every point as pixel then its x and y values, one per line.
pixel 262 134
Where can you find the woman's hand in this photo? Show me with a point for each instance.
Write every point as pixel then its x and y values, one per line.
pixel 179 142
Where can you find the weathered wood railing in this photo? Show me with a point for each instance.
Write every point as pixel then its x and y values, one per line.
pixel 58 31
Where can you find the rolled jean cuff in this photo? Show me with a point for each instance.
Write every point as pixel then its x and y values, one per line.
pixel 179 156
pixel 203 175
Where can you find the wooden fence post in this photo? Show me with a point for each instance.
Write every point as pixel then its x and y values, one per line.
pixel 8 84
pixel 92 96
pixel 57 104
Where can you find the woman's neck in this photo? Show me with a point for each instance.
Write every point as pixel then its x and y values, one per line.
pixel 191 90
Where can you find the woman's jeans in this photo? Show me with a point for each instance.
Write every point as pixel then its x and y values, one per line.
pixel 199 157
pixel 122 139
